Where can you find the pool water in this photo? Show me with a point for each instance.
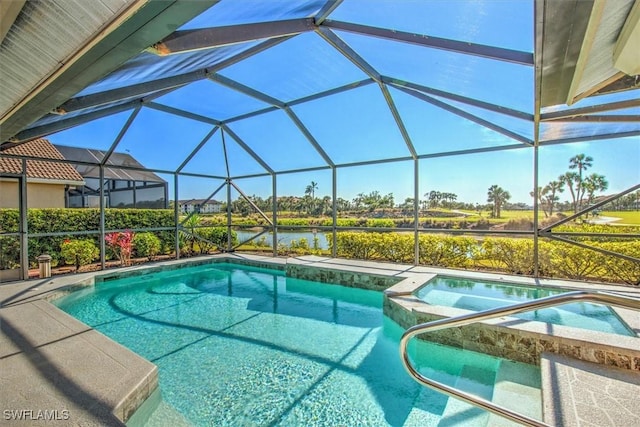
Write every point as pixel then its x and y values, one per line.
pixel 241 346
pixel 478 295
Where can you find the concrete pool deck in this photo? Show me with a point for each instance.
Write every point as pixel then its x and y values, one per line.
pixel 54 370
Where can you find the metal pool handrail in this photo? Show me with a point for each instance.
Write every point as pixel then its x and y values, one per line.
pixel 436 325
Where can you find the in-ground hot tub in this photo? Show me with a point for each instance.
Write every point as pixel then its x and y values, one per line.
pixel 608 336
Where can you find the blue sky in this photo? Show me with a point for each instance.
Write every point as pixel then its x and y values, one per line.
pixel 357 125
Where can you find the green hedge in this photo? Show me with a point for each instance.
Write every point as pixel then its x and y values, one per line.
pixel 444 251
pixel 72 220
pixel 512 255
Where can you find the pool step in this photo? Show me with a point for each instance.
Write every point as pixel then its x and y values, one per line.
pixel 428 403
pixel 517 387
pixel 156 412
pixel 473 380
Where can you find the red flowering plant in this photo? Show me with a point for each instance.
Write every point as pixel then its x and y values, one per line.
pixel 121 243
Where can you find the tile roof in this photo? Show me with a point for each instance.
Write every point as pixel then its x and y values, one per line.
pixel 39 169
pixel 111 171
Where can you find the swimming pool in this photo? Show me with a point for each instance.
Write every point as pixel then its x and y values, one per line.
pixel 237 345
pixel 478 295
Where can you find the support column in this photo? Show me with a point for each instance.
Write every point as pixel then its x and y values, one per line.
pixel 334 213
pixel 229 240
pixel 274 207
pixel 24 224
pixel 416 212
pixel 103 248
pixel 536 207
pixel 176 217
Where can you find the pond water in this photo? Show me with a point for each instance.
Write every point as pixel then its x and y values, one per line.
pixel 285 237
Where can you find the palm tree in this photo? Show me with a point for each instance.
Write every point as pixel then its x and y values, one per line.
pixel 581 162
pixel 547 196
pixel 550 193
pixel 538 194
pixel 593 183
pixel 497 195
pixel 311 191
pixel 190 224
pixel 434 198
pixel 572 181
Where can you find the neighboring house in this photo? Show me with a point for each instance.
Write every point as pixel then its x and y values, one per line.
pixel 124 188
pixel 199 206
pixel 47 182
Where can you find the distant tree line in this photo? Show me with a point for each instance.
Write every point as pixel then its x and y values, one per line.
pixel 581 188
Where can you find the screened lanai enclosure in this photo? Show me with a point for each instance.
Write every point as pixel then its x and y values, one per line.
pixel 486 134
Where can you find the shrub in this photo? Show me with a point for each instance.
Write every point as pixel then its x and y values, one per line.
pixel 353 244
pixel 622 269
pixel 79 252
pixel 210 238
pixel 9 253
pixel 380 222
pixel 146 245
pixel 121 244
pixel 574 262
pixel 446 251
pixel 395 247
pixel 512 255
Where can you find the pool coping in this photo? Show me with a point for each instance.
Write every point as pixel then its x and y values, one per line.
pixel 397 281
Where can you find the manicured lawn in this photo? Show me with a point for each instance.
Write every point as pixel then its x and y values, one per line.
pixel 627 217
pixel 505 215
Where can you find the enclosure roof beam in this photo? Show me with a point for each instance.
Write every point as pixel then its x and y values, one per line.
pixel 70 122
pixel 491 52
pixel 248 149
pixel 138 27
pixel 121 135
pixel 81 118
pixel 203 175
pixel 327 10
pixel 315 96
pixel 239 87
pixel 397 83
pixel 472 151
pixel 342 47
pixel 591 138
pixel 208 38
pixel 316 145
pixel 276 103
pixel 112 95
pixel 599 118
pixel 346 50
pixel 206 139
pixel 330 92
pixel 183 113
pixel 612 106
pixel 396 116
pixel 467 116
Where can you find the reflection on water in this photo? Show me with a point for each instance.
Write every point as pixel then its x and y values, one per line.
pixel 286 237
pixel 478 295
